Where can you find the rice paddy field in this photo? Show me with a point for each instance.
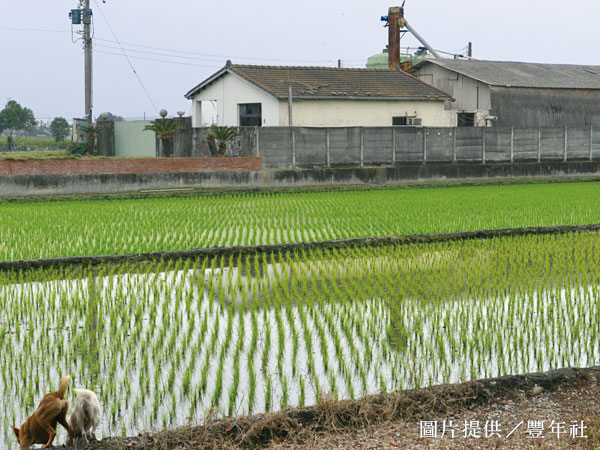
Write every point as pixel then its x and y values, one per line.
pixel 167 343
pixel 95 227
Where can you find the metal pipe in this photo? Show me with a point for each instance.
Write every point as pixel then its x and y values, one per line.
pixel 421 40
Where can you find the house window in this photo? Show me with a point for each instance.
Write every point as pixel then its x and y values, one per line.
pixel 250 114
pixel 466 119
pixel 405 120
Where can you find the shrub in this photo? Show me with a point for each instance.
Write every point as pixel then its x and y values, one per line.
pixel 76 149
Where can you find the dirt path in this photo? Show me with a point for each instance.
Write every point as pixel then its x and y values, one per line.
pixel 569 407
pixel 501 413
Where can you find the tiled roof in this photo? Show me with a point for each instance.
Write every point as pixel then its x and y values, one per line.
pixel 522 74
pixel 331 82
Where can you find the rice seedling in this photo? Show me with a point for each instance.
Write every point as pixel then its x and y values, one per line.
pixel 164 341
pixel 130 226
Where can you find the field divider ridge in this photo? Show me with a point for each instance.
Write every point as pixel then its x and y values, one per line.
pixel 295 246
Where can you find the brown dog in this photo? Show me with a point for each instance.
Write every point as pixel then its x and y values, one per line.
pixel 40 428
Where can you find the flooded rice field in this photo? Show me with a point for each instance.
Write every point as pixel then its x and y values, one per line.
pixel 169 343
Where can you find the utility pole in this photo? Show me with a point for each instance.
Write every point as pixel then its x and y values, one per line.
pixel 289 98
pixel 87 43
pixel 83 14
pixel 290 102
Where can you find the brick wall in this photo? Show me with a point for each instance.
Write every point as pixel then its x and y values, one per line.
pixel 134 165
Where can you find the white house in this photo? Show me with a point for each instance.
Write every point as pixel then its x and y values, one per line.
pixel 248 95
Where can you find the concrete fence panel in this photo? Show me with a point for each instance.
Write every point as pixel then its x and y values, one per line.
pixel 345 146
pixel 410 142
pixel 469 144
pixel 595 134
pixel 199 142
pixel 276 147
pixel 440 145
pixel 182 139
pixel 106 138
pixel 552 144
pixel 578 144
pixel 525 145
pixel 243 145
pixel 311 147
pixel 498 144
pixel 378 146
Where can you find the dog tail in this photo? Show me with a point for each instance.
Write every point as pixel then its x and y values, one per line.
pixel 63 385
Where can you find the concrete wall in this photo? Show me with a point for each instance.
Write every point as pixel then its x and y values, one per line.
pixel 131 140
pixel 183 139
pixel 305 147
pixel 21 185
pixel 106 138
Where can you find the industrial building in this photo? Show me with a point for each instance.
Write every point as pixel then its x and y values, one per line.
pixel 498 93
pixel 519 94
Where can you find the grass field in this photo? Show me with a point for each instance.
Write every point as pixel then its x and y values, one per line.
pixel 24 144
pixel 126 226
pixel 167 342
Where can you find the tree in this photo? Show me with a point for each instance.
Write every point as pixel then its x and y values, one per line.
pixel 59 128
pixel 91 131
pixel 223 135
pixel 110 116
pixel 164 129
pixel 13 118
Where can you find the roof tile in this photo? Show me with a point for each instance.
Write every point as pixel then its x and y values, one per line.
pixel 333 82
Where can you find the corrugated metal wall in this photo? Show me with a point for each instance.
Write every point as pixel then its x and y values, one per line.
pixel 532 108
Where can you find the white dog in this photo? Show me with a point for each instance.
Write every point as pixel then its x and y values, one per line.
pixel 85 417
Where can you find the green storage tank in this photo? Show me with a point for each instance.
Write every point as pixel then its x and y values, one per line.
pixel 380 60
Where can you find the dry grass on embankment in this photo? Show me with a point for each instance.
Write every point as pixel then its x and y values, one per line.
pixel 390 420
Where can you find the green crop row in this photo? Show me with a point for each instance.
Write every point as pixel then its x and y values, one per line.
pixel 163 343
pixel 70 228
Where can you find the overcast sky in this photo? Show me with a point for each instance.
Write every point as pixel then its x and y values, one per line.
pixel 42 68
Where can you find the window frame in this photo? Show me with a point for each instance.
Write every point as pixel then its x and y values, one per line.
pixel 252 119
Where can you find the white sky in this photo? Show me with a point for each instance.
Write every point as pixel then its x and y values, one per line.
pixel 43 70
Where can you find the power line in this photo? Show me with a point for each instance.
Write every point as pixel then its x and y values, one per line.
pixel 182 63
pixel 219 56
pixel 161 54
pixel 172 56
pixel 126 57
pixel 121 44
pixel 46 30
pixel 155 59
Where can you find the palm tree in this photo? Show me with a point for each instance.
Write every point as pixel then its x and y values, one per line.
pixel 223 135
pixel 164 129
pixel 91 131
pixel 212 143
